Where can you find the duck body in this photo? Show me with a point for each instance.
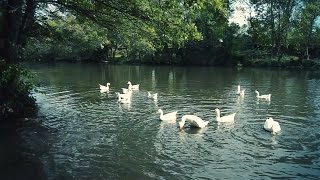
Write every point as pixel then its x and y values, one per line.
pixel 227 118
pixel 268 124
pixel 265 97
pixel 272 126
pixel 104 88
pixel 124 96
pixel 125 90
pixel 275 127
pixel 240 92
pixel 169 116
pixel 124 100
pixel 195 121
pixel 133 87
pixel 153 96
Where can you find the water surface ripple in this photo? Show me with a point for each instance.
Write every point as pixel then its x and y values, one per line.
pixel 91 136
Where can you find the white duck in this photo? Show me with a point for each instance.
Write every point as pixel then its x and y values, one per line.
pixel 133 87
pixel 265 97
pixel 240 92
pixel 169 116
pixel 124 96
pixel 272 126
pixel 153 96
pixel 104 88
pixel 275 127
pixel 195 121
pixel 125 90
pixel 228 118
pixel 268 124
pixel 125 100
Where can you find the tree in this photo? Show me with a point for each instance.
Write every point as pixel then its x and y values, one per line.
pixel 275 16
pixel 305 27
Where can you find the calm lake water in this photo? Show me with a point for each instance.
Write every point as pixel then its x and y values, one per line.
pixel 85 134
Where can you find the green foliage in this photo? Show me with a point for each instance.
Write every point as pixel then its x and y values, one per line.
pixel 131 29
pixel 68 39
pixel 16 84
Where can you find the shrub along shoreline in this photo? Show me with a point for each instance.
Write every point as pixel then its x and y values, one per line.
pixel 286 63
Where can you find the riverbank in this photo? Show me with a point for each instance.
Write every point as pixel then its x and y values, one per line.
pixel 236 61
pixel 285 62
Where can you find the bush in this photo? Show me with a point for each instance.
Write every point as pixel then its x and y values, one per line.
pixel 15 89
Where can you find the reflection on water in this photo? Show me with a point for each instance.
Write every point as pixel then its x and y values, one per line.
pixel 92 136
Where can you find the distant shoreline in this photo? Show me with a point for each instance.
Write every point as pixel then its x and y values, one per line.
pixel 313 64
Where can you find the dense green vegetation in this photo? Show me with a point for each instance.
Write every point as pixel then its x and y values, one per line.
pixel 188 32
pixel 169 32
pixel 16 84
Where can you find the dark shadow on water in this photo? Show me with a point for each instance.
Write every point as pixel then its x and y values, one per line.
pixel 19 153
pixel 194 130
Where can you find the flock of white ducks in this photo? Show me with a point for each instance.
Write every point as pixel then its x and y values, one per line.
pixel 195 121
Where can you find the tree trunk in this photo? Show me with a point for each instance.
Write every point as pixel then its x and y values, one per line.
pixel 11 28
pixel 27 21
pixel 273 42
pixel 18 15
pixel 309 35
pixel 307 52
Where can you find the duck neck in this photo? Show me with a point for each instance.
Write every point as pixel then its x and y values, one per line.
pixel 161 113
pixel 218 113
pixel 272 130
pixel 182 122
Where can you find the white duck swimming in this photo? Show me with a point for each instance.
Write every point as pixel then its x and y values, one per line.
pixel 169 116
pixel 126 91
pixel 228 118
pixel 153 96
pixel 195 121
pixel 124 96
pixel 240 92
pixel 104 88
pixel 275 127
pixel 265 97
pixel 272 126
pixel 125 100
pixel 268 124
pixel 133 87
